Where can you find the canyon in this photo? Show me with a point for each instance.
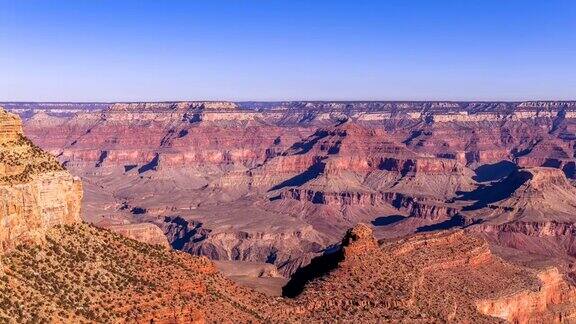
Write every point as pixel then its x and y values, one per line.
pixel 279 182
pixel 473 202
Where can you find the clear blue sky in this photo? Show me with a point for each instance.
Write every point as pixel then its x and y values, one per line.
pixel 121 50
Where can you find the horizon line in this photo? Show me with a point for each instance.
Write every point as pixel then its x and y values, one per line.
pixel 285 101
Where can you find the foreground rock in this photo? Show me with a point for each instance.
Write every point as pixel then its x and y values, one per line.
pixel 36 192
pixel 88 274
pixel 85 274
pixel 446 276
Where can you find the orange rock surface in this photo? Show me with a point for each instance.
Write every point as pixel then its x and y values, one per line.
pixel 36 193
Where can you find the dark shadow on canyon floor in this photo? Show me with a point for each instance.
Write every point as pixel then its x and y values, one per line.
pixel 306 145
pixel 152 165
pixel 319 267
pixel 455 221
pixel 387 220
pixel 494 192
pixel 496 171
pixel 311 173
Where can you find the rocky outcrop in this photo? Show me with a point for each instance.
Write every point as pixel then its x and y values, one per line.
pixel 401 279
pixel 29 209
pixel 359 241
pixel 553 293
pixel 286 250
pixel 527 195
pixel 421 207
pixel 10 127
pixel 351 168
pixel 532 210
pixel 36 193
pixel 143 232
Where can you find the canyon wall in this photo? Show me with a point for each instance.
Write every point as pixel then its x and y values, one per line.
pixel 252 169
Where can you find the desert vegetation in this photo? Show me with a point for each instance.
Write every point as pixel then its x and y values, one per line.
pixel 20 160
pixel 85 274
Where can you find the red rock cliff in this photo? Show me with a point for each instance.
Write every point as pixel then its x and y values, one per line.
pixel 35 190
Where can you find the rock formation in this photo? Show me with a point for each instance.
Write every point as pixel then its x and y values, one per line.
pixel 281 245
pixel 35 191
pixel 532 210
pixel 403 279
pixel 142 232
pixel 10 127
pixel 354 167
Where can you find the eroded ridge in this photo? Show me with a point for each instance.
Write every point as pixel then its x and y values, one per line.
pixel 447 276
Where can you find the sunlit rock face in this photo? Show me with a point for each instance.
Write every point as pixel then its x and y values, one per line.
pixel 399 280
pixel 36 192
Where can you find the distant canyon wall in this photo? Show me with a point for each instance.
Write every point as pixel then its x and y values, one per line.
pixel 533 133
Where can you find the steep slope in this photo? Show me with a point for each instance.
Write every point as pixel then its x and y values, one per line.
pixel 402 280
pixel 85 274
pixel 35 190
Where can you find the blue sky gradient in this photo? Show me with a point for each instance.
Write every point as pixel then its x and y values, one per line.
pixel 111 50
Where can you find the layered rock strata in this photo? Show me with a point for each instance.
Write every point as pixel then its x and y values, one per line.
pixel 322 164
pixel 36 193
pixel 399 281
